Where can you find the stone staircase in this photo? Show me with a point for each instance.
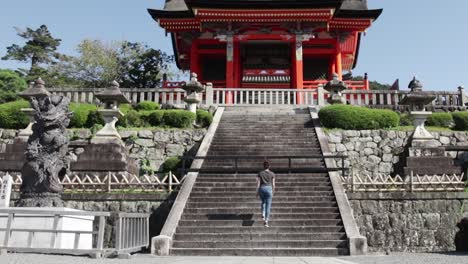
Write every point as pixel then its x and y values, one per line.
pixel 222 215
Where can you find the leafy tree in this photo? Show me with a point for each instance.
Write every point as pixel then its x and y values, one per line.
pixel 40 48
pixel 134 65
pixel 10 84
pixel 374 85
pixel 144 65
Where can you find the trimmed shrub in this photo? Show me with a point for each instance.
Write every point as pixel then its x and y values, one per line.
pixel 204 118
pixel 133 119
pixel 172 164
pixel 125 108
pixel 147 106
pixel 156 118
pixel 94 118
pixel 440 120
pixel 80 114
pixel 357 118
pixel 406 120
pixel 11 116
pixel 461 120
pixel 178 118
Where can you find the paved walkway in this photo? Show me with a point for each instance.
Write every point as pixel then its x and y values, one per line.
pixel 403 258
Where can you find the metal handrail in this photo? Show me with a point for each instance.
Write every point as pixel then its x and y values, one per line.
pixel 290 169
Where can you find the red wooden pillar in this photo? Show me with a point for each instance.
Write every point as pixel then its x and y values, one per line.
pixel 195 60
pixel 230 67
pixel 338 63
pixel 298 67
pixel 332 69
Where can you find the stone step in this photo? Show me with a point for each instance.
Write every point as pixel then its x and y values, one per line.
pixel 274 210
pixel 257 204
pixel 260 252
pixel 252 189
pixel 262 244
pixel 256 230
pixel 278 184
pixel 273 222
pixel 278 193
pixel 258 235
pixel 258 217
pixel 250 180
pixel 253 198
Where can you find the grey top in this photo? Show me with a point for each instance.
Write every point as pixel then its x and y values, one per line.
pixel 266 177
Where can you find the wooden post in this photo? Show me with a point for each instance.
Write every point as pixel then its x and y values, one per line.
pixel 170 181
pixel 320 95
pixel 366 82
pixel 462 96
pixel 229 67
pixel 109 181
pixel 194 59
pixel 339 67
pixel 298 67
pixel 411 182
pixel 209 94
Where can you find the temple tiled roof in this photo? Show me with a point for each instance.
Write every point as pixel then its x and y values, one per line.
pixel 175 5
pixel 180 5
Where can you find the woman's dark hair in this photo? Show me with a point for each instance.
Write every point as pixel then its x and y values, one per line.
pixel 266 164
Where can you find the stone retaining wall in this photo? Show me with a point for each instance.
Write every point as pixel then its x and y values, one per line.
pixel 146 146
pixel 381 151
pixel 405 222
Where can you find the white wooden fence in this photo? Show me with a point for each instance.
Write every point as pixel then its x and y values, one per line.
pixel 112 182
pixel 411 183
pixel 257 96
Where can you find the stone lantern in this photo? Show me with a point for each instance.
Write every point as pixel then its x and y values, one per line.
pixel 335 87
pixel 111 97
pixel 416 99
pixel 426 156
pixel 107 152
pixel 37 90
pixel 194 91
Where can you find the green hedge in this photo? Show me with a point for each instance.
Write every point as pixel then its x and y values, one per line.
pixel 11 116
pixel 440 120
pixel 147 106
pixel 406 120
pixel 156 118
pixel 204 118
pixel 80 114
pixel 178 118
pixel 461 120
pixel 357 118
pixel 172 164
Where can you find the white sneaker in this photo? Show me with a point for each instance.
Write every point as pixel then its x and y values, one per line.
pixel 266 224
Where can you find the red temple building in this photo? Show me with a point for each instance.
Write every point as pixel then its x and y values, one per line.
pixel 294 44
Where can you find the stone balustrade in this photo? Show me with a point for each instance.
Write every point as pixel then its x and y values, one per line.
pixel 449 100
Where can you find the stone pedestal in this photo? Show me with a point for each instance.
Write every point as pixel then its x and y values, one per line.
pixel 25 133
pixel 103 158
pixel 35 220
pixel 424 160
pixel 192 101
pixel 108 134
pixel 420 132
pixel 13 158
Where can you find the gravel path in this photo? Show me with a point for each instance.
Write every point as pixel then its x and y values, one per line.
pixel 403 258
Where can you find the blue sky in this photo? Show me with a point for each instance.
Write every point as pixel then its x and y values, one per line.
pixel 426 38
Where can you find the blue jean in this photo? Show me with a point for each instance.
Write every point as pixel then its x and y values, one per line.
pixel 266 194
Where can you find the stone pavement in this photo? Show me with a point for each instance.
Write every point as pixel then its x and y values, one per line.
pixel 400 258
